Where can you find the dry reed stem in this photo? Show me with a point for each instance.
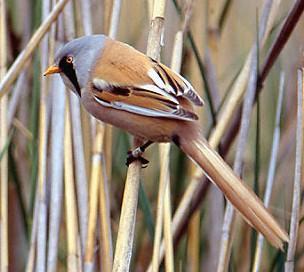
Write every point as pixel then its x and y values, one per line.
pixel 105 220
pixel 57 96
pixel 193 243
pixel 215 212
pixel 164 184
pixel 107 149
pixel 155 39
pixel 159 9
pixel 238 90
pixel 115 19
pixel 52 33
pixel 80 170
pixel 16 96
pixel 86 16
pixel 211 51
pixel 41 197
pixel 164 150
pixel 288 26
pixel 42 154
pixel 125 235
pixel 271 171
pixel 296 201
pixel 229 218
pixel 88 137
pixel 99 178
pixel 90 129
pixel 105 169
pixel 107 12
pixel 168 237
pixel 78 143
pixel 153 50
pixel 94 195
pixel 32 249
pixel 165 167
pixel 56 172
pixel 177 54
pixel 4 258
pixel 182 210
pixel 31 46
pixel 70 197
pixel 127 221
pixel 98 132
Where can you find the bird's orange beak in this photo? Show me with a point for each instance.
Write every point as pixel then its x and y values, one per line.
pixel 52 70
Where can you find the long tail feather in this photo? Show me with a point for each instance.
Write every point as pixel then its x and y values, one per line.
pixel 237 192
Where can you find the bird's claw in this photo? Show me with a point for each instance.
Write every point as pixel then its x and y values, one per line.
pixel 136 155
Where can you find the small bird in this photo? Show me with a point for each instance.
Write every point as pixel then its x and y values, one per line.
pixel 123 87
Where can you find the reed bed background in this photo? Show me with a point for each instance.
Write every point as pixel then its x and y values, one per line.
pixel 69 203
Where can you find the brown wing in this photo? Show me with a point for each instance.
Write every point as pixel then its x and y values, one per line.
pixel 139 84
pixel 140 101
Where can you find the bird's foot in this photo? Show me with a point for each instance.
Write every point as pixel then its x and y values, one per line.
pixel 136 154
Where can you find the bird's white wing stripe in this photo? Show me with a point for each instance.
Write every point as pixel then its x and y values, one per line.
pixel 141 110
pixel 156 89
pixel 159 82
pixel 101 84
pixel 185 89
pixel 156 78
pixel 102 102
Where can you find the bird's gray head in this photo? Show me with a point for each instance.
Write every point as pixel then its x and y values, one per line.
pixel 75 60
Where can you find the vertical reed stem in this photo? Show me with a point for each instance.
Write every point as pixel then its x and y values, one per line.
pixel 94 195
pixel 3 140
pixel 42 163
pixel 296 202
pixel 125 236
pixel 70 197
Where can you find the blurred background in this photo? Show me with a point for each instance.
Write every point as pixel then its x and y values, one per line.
pixel 49 140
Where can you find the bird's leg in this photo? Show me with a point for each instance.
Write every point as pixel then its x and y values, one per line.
pixel 136 154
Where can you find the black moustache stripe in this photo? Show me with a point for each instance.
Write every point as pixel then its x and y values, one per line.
pixel 71 75
pixel 69 71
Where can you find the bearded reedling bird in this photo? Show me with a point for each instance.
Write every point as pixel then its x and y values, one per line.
pixel 121 86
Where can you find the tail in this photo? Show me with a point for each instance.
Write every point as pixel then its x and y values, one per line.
pixel 237 192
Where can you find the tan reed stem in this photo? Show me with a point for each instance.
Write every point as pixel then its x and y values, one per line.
pixel 127 221
pixel 73 238
pixel 298 176
pixel 271 171
pixel 94 194
pixel 4 258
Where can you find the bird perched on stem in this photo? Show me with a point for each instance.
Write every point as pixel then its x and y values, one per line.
pixel 121 86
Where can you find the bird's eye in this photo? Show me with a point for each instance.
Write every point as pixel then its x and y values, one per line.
pixel 69 59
